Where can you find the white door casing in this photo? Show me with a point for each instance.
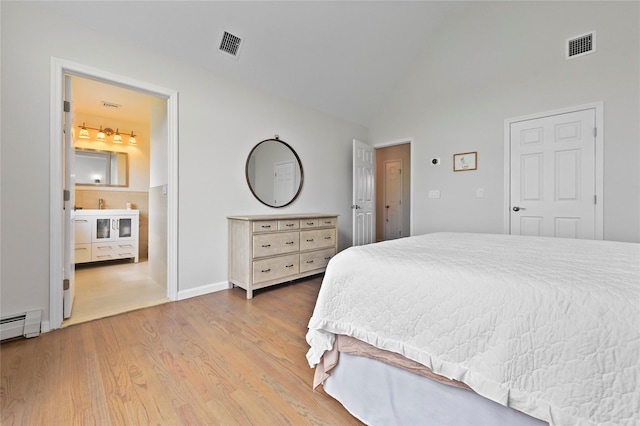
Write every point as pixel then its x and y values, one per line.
pixel 393 199
pixel 555 178
pixel 363 206
pixel 60 68
pixel 69 268
pixel 284 181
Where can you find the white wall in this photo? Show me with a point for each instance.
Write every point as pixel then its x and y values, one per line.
pixel 498 60
pixel 219 123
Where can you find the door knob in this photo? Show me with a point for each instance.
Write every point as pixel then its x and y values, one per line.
pixel 355 206
pixel 517 209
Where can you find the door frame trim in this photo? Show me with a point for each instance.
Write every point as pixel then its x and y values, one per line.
pixel 60 67
pixel 403 141
pixel 598 107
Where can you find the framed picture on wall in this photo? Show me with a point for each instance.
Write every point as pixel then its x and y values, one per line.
pixel 465 161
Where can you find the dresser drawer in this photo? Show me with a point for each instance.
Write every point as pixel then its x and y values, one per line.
pixel 277 243
pixel 265 226
pixel 327 221
pixel 275 268
pixel 318 238
pixel 315 259
pixel 309 223
pixel 288 225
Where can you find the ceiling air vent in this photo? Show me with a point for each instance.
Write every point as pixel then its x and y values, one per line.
pixel 230 44
pixel 581 45
pixel 110 105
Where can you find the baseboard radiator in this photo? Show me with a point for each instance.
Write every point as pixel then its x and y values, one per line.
pixel 22 325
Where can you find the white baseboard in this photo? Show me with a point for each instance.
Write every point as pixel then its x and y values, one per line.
pixel 205 289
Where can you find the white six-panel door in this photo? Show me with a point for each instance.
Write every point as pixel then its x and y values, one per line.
pixel 553 182
pixel 364 167
pixel 393 199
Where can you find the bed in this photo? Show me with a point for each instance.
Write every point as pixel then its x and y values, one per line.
pixel 543 329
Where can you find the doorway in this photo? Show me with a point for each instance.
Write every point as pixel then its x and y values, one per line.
pixel 165 132
pixel 104 286
pixel 393 191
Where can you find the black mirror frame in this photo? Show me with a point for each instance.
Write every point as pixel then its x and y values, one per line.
pixel 295 154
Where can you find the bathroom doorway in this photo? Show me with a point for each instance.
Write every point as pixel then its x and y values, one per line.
pixel 159 198
pixel 101 113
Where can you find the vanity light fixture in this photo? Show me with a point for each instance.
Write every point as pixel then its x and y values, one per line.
pixel 84 133
pixel 117 138
pixel 101 135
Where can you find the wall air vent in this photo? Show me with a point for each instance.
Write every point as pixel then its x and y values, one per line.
pixel 581 45
pixel 230 44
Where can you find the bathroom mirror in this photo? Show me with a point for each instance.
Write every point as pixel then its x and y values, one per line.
pixel 274 173
pixel 101 168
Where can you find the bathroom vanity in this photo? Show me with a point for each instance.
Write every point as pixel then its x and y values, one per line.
pixel 273 249
pixel 106 235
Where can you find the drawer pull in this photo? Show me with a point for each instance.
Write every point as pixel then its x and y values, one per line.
pixel 266 245
pixel 327 238
pixel 81 248
pixel 266 226
pixel 310 240
pixel 105 255
pixel 103 247
pixel 125 254
pixel 327 258
pixel 289 266
pixel 289 242
pixel 289 224
pixel 327 222
pixel 266 270
pixel 309 261
pixel 125 245
pixel 311 223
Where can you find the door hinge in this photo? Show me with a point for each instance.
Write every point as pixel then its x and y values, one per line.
pixel 67 106
pixel 66 195
pixel 595 199
pixel 65 284
pixel 595 132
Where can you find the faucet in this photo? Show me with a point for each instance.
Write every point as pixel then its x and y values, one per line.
pixel 100 203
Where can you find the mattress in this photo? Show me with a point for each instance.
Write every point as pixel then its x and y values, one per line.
pixel 549 327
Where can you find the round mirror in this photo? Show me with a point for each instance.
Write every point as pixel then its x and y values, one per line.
pixel 274 173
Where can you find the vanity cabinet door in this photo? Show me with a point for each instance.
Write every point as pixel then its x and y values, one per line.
pixel 103 229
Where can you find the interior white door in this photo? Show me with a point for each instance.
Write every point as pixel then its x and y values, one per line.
pixel 363 207
pixel 68 267
pixel 393 199
pixel 284 182
pixel 553 182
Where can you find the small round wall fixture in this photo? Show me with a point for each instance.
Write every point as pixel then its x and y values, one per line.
pixel 274 173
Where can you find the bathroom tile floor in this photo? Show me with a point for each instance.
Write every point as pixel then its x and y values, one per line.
pixel 110 288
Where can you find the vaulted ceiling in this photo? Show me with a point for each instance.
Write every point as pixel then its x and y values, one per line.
pixel 341 57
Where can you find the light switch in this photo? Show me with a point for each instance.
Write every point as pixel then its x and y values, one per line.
pixel 434 193
pixel 480 192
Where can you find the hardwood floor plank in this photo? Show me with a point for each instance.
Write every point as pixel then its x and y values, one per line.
pixel 217 359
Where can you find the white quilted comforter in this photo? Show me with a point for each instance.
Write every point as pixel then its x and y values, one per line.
pixel 550 327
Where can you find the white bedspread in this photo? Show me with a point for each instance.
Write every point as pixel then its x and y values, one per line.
pixel 550 327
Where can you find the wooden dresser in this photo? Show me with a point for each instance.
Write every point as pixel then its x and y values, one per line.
pixel 272 249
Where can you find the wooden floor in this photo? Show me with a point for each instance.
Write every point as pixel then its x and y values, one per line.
pixel 108 288
pixel 217 359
